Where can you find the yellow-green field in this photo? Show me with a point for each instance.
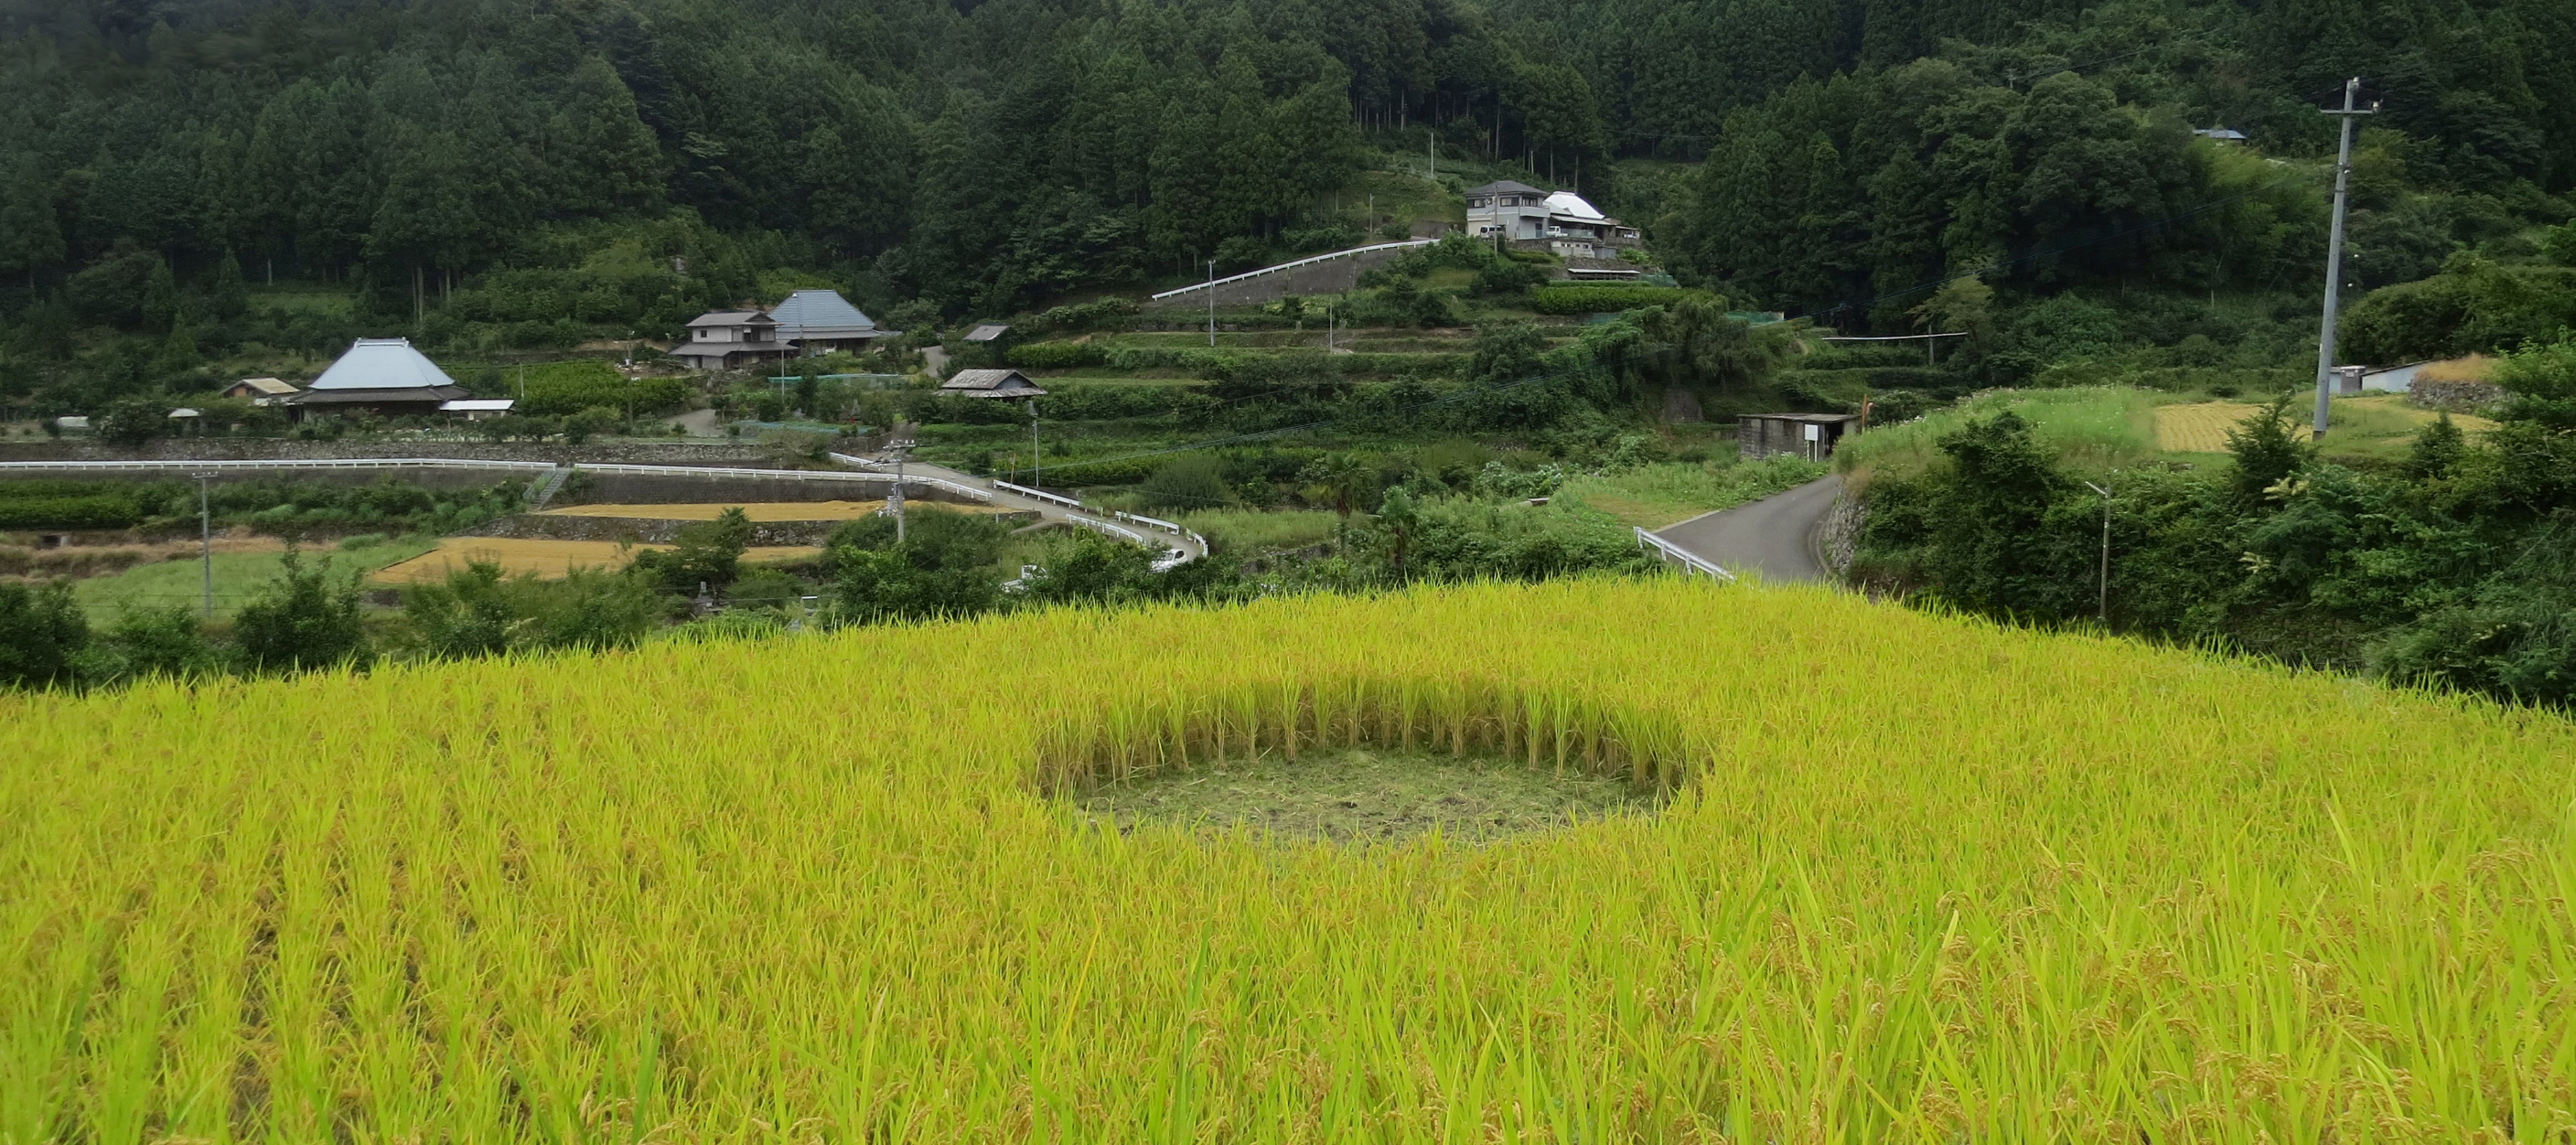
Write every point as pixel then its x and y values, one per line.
pixel 1924 879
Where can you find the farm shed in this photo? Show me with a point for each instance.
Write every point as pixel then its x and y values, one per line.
pixel 991 384
pixel 1808 435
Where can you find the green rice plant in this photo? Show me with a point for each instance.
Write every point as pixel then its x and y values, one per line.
pixel 1918 878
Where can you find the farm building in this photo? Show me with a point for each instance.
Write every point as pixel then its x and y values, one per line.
pixel 991 384
pixel 260 391
pixel 1808 435
pixel 378 375
pixel 818 321
pixel 988 332
pixel 479 409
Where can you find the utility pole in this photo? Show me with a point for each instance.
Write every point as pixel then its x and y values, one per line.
pixel 2104 606
pixel 894 500
pixel 1211 289
pixel 206 547
pixel 1037 460
pixel 2334 250
pixel 1433 154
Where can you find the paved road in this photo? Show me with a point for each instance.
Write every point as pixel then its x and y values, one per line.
pixel 1775 536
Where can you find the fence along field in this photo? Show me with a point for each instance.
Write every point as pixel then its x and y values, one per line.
pixel 1923 879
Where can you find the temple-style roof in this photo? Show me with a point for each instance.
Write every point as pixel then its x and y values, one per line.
pixel 382 364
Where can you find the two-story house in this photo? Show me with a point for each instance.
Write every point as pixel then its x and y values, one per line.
pixel 724 339
pixel 1559 222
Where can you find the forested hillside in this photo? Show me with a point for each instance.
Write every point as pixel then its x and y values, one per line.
pixel 516 173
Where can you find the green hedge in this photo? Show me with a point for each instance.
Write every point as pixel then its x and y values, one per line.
pixel 559 388
pixel 1604 298
pixel 1285 365
pixel 1055 355
pixel 98 511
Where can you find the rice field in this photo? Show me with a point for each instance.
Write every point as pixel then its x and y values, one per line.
pixel 543 557
pixel 1915 878
pixel 2352 424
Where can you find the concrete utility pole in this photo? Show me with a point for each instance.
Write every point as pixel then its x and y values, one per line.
pixel 1037 460
pixel 1433 155
pixel 1211 289
pixel 894 500
pixel 2334 250
pixel 206 547
pixel 2105 605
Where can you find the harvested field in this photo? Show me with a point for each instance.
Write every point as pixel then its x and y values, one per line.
pixel 543 557
pixel 2202 427
pixel 757 511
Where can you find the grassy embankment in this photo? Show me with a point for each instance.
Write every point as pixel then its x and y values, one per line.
pixel 2105 427
pixel 1918 877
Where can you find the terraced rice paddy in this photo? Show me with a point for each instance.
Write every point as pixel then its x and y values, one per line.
pixel 2202 427
pixel 543 557
pixel 1915 879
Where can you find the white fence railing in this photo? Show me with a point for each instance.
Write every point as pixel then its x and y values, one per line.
pixel 967 491
pixel 1691 562
pixel 1040 494
pixel 302 463
pixel 1294 264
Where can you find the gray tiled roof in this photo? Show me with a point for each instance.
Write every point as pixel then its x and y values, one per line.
pixel 382 364
pixel 820 314
pixel 1505 187
pixel 989 382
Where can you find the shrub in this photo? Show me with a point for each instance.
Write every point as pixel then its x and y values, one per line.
pixel 303 620
pixel 559 388
pixel 40 631
pixel 100 511
pixel 1055 355
pixel 1599 298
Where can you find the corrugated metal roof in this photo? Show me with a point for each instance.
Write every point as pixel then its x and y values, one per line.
pixel 819 314
pixel 477 405
pixel 271 386
pixel 729 318
pixel 988 331
pixel 990 383
pixel 382 364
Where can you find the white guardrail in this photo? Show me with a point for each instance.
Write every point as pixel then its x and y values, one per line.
pixel 1040 494
pixel 1691 562
pixel 306 463
pixel 967 491
pixel 1292 265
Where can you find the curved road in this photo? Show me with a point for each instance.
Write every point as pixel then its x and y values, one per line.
pixel 1775 536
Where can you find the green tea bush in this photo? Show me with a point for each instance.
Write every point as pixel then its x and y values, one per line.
pixel 1603 298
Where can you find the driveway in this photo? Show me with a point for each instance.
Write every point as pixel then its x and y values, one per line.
pixel 1775 536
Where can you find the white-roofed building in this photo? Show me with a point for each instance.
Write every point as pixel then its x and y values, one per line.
pixel 1561 222
pixel 478 409
pixel 820 320
pixel 384 375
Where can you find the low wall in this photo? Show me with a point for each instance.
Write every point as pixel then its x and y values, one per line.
pixel 1332 276
pixel 656 531
pixel 726 451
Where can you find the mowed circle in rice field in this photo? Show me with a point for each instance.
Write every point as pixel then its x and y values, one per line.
pixel 1908 877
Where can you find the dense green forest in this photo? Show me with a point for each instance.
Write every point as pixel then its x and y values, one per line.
pixel 495 173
